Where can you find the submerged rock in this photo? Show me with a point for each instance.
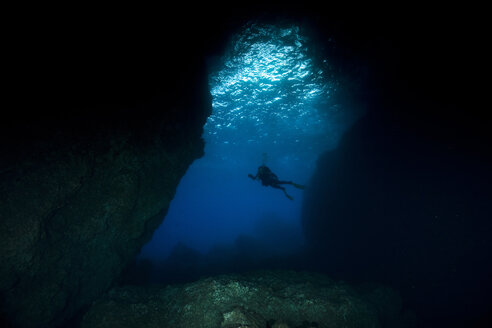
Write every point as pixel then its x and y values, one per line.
pixel 242 318
pixel 79 196
pixel 260 299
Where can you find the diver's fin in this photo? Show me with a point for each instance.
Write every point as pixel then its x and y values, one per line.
pixel 298 186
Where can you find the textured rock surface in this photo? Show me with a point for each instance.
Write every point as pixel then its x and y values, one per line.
pixel 72 223
pixel 288 299
pixel 88 165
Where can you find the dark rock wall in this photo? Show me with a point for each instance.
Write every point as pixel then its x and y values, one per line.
pixel 384 208
pixel 404 199
pixel 104 122
pixel 71 223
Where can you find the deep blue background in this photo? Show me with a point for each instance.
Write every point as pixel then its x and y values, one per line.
pixel 215 203
pixel 274 102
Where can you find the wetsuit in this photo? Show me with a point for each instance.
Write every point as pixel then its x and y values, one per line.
pixel 268 178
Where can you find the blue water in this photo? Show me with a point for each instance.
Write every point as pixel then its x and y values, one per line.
pixel 272 103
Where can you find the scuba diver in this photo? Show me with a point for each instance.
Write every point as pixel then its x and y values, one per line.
pixel 268 178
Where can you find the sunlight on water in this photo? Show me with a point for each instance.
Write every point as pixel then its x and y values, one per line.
pixel 269 94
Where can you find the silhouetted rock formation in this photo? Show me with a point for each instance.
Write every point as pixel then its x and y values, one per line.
pixel 89 163
pixel 406 202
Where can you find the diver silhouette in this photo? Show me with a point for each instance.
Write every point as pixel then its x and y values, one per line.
pixel 268 178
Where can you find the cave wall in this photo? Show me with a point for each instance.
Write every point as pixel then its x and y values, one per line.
pixel 103 123
pixel 404 198
pixel 413 215
pixel 72 220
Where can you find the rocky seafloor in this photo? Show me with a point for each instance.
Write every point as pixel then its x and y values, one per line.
pixel 258 299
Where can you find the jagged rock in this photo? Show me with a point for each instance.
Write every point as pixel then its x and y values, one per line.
pixel 297 299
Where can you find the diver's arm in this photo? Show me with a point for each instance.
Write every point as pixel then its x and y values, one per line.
pixel 254 177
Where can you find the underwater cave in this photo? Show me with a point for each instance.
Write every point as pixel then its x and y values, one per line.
pixel 133 191
pixel 274 102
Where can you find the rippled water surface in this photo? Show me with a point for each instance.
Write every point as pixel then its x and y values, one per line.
pixel 271 94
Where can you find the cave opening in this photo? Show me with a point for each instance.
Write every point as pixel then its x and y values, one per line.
pixel 274 102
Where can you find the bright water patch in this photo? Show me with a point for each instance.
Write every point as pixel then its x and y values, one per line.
pixel 271 96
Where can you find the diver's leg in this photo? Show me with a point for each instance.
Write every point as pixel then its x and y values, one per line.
pixel 288 196
pixel 283 189
pixel 292 183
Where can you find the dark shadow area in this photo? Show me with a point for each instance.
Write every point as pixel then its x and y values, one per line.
pixel 405 198
pixel 389 207
pixel 186 264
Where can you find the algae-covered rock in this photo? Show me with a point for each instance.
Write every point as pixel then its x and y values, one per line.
pixel 261 299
